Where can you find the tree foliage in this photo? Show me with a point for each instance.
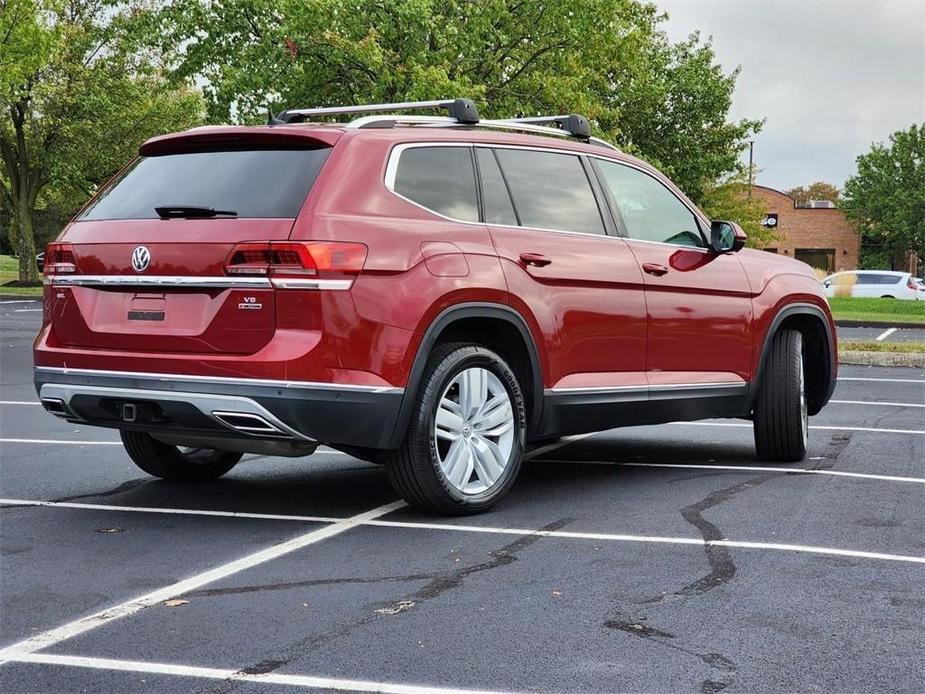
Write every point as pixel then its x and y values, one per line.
pixel 729 200
pixel 820 190
pixel 886 197
pixel 73 112
pixel 606 59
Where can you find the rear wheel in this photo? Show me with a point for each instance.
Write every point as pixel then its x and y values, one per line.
pixel 465 444
pixel 174 463
pixel 781 415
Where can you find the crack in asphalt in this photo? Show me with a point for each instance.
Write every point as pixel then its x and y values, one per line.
pixel 124 487
pixel 439 583
pixel 267 587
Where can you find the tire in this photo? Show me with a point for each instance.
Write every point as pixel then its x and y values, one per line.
pixel 468 463
pixel 781 418
pixel 176 465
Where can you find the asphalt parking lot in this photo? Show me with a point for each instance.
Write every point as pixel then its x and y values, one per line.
pixel 656 559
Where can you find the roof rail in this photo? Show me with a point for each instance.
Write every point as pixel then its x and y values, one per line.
pixel 460 110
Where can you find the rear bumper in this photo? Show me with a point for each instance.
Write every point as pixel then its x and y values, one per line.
pixel 201 406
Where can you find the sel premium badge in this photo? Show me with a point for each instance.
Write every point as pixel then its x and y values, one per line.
pixel 141 258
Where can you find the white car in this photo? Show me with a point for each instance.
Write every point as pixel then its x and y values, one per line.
pixel 876 283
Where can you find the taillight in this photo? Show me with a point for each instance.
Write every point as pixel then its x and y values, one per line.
pixel 911 284
pixel 299 265
pixel 59 259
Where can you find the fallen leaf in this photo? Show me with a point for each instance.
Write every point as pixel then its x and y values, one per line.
pixel 176 602
pixel 400 606
pixel 109 530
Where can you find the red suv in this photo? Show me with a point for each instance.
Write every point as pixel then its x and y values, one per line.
pixel 428 293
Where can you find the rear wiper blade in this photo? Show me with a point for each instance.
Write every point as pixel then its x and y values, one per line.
pixel 178 211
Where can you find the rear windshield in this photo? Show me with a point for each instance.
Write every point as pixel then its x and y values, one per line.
pixel 251 183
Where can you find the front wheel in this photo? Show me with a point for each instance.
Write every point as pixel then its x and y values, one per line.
pixel 465 444
pixel 176 464
pixel 781 414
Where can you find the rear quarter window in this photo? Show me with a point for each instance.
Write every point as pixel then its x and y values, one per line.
pixel 442 179
pixel 251 182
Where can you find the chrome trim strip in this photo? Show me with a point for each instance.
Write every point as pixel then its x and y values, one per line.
pixel 205 403
pixel 179 378
pixel 155 281
pixel 299 283
pixel 660 388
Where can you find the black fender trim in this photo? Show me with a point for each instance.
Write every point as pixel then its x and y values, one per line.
pixel 442 321
pixel 831 355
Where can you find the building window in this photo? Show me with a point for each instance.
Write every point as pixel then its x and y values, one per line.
pixel 822 258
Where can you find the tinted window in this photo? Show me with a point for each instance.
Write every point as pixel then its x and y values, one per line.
pixel 439 178
pixel 551 191
pixel 650 211
pixel 495 198
pixel 253 183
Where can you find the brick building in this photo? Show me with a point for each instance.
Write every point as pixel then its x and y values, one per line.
pixel 820 236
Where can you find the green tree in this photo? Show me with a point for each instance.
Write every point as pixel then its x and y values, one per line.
pixel 607 59
pixel 886 197
pixel 729 200
pixel 820 190
pixel 74 111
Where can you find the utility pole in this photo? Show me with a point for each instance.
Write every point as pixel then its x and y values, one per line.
pixel 751 166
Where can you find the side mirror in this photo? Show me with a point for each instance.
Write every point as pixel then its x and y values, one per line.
pixel 726 237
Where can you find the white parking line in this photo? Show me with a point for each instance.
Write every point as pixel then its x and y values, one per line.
pixel 878 403
pixel 18 402
pixel 493 530
pixel 745 468
pixel 26 310
pixel 920 381
pixel 304 681
pixel 64 442
pixel 80 626
pixel 916 432
pixel 885 334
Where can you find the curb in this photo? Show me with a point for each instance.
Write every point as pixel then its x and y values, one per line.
pixel 913 359
pixel 878 324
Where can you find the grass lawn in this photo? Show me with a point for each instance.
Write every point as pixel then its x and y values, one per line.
pixel 9 272
pixel 871 346
pixel 886 310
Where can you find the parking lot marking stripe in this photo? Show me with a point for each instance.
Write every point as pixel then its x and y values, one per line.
pixel 876 402
pixel 64 442
pixel 378 522
pixel 18 402
pixel 26 310
pixel 916 432
pixel 84 624
pixel 920 381
pixel 304 681
pixel 744 468
pixel 169 511
pixel 885 334
pixel 564 441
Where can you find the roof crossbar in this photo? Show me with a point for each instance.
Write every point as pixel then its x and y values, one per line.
pixel 461 110
pixel 573 124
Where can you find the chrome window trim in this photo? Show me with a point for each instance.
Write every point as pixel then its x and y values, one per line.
pixel 300 283
pixel 392 167
pixel 175 378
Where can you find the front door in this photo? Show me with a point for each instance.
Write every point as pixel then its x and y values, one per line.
pixel 698 302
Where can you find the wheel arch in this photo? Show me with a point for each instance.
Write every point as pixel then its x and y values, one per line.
pixel 819 345
pixel 497 327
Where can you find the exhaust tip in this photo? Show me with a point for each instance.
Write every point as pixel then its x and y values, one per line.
pixel 248 423
pixel 57 407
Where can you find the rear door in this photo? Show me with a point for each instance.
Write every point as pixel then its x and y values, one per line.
pixel 582 286
pixel 155 280
pixel 698 302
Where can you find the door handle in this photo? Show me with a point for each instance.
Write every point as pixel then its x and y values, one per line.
pixel 534 259
pixel 655 269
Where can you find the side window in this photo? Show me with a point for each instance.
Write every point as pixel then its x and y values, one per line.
pixel 865 279
pixel 650 211
pixel 439 178
pixel 551 191
pixel 495 198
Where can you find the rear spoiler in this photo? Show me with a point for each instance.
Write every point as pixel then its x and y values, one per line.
pixel 240 137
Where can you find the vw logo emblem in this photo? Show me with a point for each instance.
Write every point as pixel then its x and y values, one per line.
pixel 141 257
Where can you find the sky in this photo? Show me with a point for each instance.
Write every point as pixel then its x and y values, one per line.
pixel 830 76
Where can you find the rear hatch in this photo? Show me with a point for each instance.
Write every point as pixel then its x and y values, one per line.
pixel 145 266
